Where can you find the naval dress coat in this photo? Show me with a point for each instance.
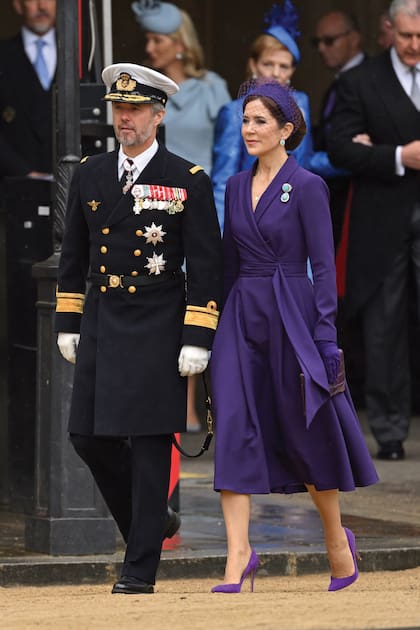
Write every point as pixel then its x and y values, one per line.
pixel 126 378
pixel 277 425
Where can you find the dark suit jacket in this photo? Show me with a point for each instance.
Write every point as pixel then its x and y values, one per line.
pixel 25 114
pixel 130 340
pixel 338 185
pixel 371 100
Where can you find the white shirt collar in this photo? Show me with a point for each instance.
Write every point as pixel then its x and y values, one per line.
pixel 402 71
pixel 140 161
pixel 352 63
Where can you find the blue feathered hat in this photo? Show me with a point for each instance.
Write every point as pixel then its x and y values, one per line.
pixel 283 25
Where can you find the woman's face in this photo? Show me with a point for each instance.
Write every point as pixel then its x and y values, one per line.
pixel 274 64
pixel 161 50
pixel 260 129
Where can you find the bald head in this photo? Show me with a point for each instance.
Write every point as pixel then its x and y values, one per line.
pixel 337 39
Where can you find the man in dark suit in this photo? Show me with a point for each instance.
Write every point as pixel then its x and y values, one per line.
pixel 381 99
pixel 338 41
pixel 27 68
pixel 133 216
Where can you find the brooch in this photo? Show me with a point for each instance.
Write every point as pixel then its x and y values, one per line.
pixel 286 188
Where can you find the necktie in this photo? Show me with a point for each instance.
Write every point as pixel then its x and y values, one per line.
pixel 330 102
pixel 415 89
pixel 41 66
pixel 127 178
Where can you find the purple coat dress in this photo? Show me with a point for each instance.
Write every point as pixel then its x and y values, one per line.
pixel 277 427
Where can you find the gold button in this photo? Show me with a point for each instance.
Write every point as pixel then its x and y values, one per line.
pixel 134 273
pixel 103 289
pixel 105 230
pixel 102 268
pixel 137 252
pixel 104 249
pixel 132 289
pixel 139 232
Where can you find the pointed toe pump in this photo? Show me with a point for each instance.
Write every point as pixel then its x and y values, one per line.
pixel 337 584
pixel 250 569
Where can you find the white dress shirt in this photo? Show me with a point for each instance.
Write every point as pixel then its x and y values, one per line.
pixel 140 161
pixel 49 51
pixel 405 77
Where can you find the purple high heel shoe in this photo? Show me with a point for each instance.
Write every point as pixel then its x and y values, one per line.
pixel 337 584
pixel 250 569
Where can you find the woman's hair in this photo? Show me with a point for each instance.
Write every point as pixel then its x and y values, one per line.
pixel 299 125
pixel 264 44
pixel 193 54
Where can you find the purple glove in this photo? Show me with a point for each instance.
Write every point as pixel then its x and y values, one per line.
pixel 331 358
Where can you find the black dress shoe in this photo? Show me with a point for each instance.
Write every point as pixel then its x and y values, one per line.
pixel 392 451
pixel 132 586
pixel 173 523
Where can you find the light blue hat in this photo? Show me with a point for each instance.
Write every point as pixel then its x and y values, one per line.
pixel 157 17
pixel 283 25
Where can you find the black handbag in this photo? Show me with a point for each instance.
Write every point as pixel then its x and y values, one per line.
pixel 210 425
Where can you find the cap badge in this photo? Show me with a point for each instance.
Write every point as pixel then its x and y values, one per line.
pixel 125 83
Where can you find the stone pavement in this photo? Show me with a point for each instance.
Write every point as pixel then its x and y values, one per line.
pixel 285 530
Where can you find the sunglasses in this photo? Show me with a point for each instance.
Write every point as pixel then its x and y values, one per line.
pixel 328 40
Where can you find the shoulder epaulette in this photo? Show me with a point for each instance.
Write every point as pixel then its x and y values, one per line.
pixel 196 169
pixel 84 159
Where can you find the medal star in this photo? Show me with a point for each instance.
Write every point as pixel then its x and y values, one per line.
pixel 154 234
pixel 156 264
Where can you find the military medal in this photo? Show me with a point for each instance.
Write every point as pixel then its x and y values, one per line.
pixel 156 264
pixel 154 234
pixel 129 167
pixel 153 197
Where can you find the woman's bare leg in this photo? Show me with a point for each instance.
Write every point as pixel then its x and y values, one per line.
pixel 236 512
pixel 339 554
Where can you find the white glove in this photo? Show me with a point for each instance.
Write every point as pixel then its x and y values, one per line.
pixel 192 360
pixel 67 344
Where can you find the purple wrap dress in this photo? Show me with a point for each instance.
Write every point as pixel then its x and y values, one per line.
pixel 277 427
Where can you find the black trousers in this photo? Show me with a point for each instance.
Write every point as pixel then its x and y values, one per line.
pixel 133 477
pixel 385 334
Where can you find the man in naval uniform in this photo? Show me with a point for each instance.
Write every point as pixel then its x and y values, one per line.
pixel 133 216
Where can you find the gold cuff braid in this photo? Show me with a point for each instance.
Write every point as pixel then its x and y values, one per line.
pixel 70 302
pixel 207 316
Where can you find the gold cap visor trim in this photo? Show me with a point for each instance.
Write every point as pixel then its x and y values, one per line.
pixel 128 98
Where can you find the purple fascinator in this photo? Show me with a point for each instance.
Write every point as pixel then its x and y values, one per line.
pixel 282 23
pixel 280 94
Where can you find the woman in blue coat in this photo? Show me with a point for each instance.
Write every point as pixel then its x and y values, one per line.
pixel 273 55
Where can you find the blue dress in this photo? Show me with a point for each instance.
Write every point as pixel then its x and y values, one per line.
pixel 191 116
pixel 230 155
pixel 277 427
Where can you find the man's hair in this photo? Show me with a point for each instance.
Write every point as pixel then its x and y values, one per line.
pixel 408 7
pixel 350 20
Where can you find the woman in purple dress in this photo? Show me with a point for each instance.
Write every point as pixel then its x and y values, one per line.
pixel 275 357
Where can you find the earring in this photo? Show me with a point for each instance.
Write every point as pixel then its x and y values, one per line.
pixel 282 142
pixel 254 75
pixel 179 56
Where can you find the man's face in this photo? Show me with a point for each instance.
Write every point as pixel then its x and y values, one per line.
pixel 37 15
pixel 135 126
pixel 336 44
pixel 406 31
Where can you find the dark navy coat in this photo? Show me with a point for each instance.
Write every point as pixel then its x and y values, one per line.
pixel 126 376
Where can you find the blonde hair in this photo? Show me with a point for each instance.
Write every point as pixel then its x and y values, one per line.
pixel 263 44
pixel 193 56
